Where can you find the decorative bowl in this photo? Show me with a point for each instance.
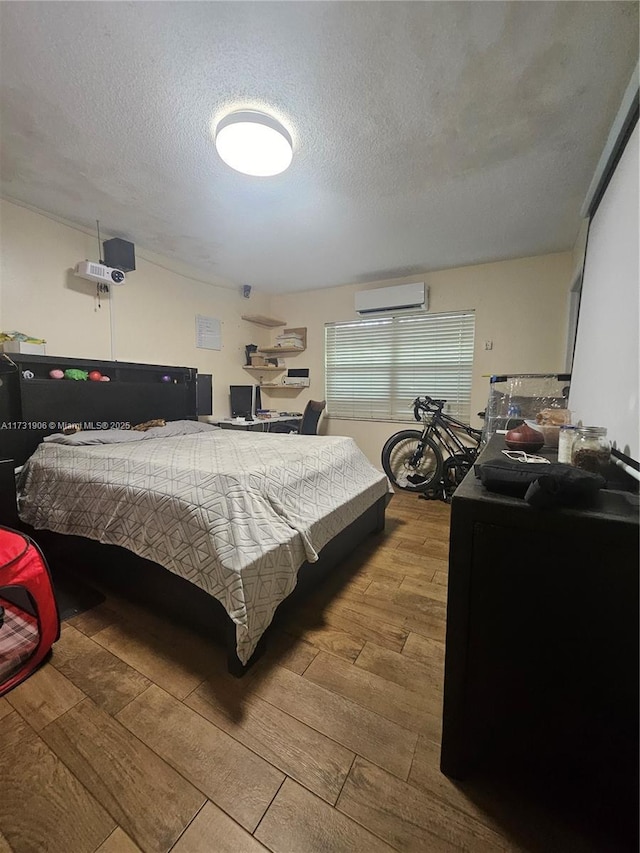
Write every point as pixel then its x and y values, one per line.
pixel 525 438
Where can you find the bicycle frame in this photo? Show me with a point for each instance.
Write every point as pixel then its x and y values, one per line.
pixel 435 460
pixel 438 426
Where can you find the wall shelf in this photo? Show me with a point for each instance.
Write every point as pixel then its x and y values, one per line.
pixel 276 369
pixel 260 320
pixel 272 388
pixel 281 350
pixel 300 332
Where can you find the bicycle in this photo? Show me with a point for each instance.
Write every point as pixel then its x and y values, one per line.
pixel 414 461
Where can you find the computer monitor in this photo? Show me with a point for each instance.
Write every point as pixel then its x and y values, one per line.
pixel 245 400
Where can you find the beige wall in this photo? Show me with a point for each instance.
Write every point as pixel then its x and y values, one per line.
pixel 520 305
pixel 154 312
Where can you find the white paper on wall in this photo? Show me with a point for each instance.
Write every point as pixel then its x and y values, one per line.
pixel 208 332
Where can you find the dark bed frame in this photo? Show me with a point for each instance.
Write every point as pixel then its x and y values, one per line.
pixel 136 393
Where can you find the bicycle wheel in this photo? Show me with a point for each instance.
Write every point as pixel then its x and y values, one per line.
pixel 455 469
pixel 410 463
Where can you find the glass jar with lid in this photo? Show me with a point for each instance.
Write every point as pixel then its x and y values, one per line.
pixel 591 449
pixel 565 442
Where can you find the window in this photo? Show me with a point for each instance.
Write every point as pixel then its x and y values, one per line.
pixel 376 367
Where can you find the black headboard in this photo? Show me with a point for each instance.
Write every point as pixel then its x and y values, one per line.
pixel 32 407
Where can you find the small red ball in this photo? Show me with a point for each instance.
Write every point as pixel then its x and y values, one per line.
pixel 95 376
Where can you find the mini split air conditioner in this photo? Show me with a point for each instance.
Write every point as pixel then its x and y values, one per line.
pixel 387 299
pixel 98 272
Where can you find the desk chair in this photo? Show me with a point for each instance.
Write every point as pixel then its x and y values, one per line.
pixel 311 417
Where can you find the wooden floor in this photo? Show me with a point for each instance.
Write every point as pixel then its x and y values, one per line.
pixel 133 737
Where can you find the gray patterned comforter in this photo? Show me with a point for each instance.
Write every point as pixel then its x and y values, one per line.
pixel 236 513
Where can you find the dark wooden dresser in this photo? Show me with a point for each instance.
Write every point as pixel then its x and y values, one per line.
pixel 541 668
pixel 8 507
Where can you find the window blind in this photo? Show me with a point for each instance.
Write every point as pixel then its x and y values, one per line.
pixel 377 366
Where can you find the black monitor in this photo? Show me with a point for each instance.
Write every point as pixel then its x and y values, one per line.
pixel 245 400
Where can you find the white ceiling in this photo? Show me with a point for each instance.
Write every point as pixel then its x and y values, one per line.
pixel 426 135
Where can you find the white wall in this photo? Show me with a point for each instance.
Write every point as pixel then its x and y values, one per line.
pixel 520 305
pixel 154 311
pixel 604 389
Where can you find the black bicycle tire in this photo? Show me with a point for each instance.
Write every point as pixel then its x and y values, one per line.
pixel 405 435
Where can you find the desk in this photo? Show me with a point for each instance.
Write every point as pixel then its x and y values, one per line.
pixel 260 424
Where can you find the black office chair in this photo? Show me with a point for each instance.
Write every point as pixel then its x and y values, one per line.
pixel 311 416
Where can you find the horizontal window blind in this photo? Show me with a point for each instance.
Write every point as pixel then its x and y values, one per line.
pixel 376 367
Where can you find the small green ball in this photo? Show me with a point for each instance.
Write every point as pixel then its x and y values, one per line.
pixel 72 373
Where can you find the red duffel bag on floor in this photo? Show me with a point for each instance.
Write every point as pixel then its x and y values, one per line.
pixel 29 621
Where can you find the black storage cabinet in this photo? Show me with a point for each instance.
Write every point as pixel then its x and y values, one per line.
pixel 541 669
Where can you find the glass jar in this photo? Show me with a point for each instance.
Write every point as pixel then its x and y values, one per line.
pixel 565 443
pixel 591 450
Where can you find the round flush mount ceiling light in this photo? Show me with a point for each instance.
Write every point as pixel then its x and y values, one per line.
pixel 254 143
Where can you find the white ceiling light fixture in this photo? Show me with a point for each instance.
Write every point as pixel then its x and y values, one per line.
pixel 254 143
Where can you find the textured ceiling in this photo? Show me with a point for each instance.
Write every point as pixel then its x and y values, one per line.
pixel 426 135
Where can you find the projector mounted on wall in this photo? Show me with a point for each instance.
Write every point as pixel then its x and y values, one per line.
pixel 98 272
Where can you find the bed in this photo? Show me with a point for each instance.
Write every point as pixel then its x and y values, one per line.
pixel 239 516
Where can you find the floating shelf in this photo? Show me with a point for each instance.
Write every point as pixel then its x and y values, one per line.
pixel 301 332
pixel 251 367
pixel 277 387
pixel 281 350
pixel 260 320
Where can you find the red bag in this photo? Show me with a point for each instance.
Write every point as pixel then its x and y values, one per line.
pixel 29 620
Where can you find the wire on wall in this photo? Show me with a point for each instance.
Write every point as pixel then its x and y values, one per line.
pixel 112 323
pixel 102 290
pixel 100 261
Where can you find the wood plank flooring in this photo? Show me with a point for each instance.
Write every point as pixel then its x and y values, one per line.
pixel 133 738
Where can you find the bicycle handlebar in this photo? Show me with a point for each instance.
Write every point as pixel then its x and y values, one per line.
pixel 426 404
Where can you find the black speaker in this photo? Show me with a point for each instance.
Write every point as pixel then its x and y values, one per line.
pixel 119 254
pixel 204 395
